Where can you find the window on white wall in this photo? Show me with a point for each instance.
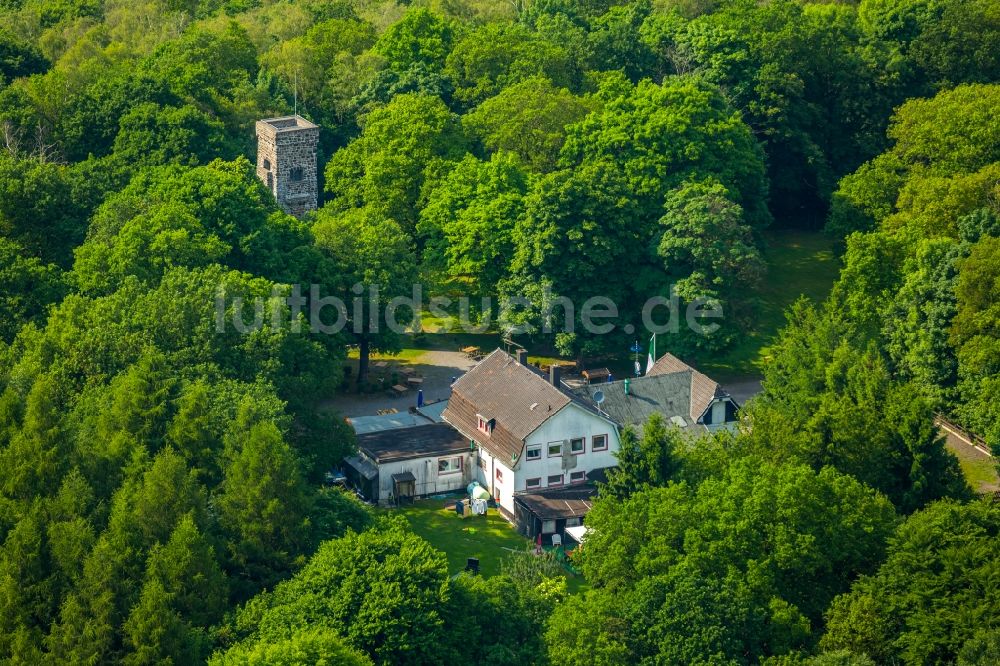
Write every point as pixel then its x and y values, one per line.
pixel 555 480
pixel 450 465
pixel 532 484
pixel 577 477
pixel 533 453
pixel 499 475
pixel 600 443
pixel 555 449
pixel 577 445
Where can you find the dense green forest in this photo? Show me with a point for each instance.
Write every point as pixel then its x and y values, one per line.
pixel 160 480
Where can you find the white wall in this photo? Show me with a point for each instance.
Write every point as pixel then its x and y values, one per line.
pixel 487 477
pixel 429 482
pixel 571 422
pixel 715 419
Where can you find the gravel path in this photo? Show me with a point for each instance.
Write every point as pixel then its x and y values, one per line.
pixel 743 390
pixel 436 367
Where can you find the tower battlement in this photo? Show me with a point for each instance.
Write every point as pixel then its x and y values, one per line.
pixel 286 162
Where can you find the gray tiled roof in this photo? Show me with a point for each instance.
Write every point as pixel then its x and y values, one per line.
pixel 668 395
pixel 702 389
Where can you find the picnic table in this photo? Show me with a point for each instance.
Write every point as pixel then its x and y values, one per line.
pixel 415 381
pixel 471 351
pixel 596 375
pixel 380 364
pixel 398 390
pixel 407 371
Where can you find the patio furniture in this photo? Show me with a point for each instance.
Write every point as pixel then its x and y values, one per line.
pixel 596 375
pixel 471 352
pixel 398 390
pixel 415 381
pixel 407 371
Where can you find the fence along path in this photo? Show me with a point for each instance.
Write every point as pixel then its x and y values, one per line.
pixel 960 433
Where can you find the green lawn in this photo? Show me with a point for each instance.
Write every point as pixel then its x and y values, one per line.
pixel 455 341
pixel 800 263
pixel 408 355
pixel 980 473
pixel 489 538
pixel 979 470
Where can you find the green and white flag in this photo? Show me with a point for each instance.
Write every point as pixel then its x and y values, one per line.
pixel 652 354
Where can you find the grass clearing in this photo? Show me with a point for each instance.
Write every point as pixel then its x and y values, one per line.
pixel 979 470
pixel 407 355
pixel 486 538
pixel 800 263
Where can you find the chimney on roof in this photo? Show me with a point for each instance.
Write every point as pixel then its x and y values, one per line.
pixel 555 375
pixel 522 357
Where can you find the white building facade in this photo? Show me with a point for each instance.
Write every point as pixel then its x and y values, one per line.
pixel 563 451
pixel 528 434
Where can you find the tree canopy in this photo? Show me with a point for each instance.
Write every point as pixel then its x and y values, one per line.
pixel 165 429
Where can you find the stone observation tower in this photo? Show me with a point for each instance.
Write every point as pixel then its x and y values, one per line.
pixel 286 161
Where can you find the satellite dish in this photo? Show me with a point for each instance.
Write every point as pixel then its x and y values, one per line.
pixel 599 397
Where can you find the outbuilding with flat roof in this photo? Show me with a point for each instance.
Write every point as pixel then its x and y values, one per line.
pixel 411 461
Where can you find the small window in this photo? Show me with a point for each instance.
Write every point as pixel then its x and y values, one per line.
pixel 577 477
pixel 267 164
pixel 577 445
pixel 450 465
pixel 484 424
pixel 555 449
pixel 600 443
pixel 533 453
pixel 532 484
pixel 295 174
pixel 499 475
pixel 555 480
